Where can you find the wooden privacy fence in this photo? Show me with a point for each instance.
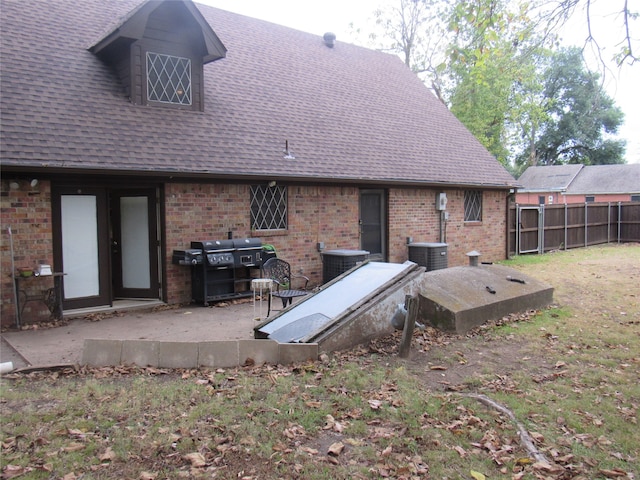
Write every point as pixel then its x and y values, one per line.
pixel 541 228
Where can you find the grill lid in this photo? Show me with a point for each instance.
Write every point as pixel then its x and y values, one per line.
pixel 214 245
pixel 247 243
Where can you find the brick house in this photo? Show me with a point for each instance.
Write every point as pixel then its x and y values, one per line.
pixel 564 184
pixel 159 123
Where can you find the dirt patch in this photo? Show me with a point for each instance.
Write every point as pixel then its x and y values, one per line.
pixel 601 285
pixel 605 282
pixel 460 362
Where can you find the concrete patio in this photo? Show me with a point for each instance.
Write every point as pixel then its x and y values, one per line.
pixel 64 344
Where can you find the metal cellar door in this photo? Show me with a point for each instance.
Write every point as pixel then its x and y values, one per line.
pixel 134 243
pixel 373 224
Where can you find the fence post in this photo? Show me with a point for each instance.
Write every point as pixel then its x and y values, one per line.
pixel 517 229
pixel 586 210
pixel 566 213
pixel 608 222
pixel 619 220
pixel 541 227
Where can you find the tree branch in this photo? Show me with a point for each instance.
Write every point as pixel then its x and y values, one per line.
pixel 525 438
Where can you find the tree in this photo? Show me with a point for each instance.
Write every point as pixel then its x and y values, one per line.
pixel 581 117
pixel 492 62
pixel 478 57
pixel 486 60
pixel 414 30
pixel 554 14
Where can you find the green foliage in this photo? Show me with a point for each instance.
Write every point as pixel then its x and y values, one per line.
pixel 492 62
pixel 495 64
pixel 581 116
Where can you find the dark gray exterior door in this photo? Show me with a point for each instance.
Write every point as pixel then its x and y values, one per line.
pixel 373 223
pixel 81 252
pixel 134 243
pixel 106 241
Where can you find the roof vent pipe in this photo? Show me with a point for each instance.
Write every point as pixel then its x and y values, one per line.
pixel 329 39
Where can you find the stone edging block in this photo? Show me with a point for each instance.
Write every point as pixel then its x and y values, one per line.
pixel 220 354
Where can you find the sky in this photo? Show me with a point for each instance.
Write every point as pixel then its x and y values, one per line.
pixel 337 16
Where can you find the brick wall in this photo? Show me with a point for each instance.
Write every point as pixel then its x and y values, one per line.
pixel 315 214
pixel 327 214
pixel 27 210
pixel 412 213
pixel 195 212
pixel 487 237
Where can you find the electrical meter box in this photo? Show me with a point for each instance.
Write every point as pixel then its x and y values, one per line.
pixel 441 201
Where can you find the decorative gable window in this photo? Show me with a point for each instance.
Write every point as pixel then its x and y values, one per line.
pixel 159 51
pixel 268 207
pixel 473 206
pixel 168 79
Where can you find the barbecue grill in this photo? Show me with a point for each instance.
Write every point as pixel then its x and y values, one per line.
pixel 221 269
pixel 247 252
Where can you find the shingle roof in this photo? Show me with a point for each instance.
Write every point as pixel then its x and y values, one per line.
pixel 603 179
pixel 549 178
pixel 348 113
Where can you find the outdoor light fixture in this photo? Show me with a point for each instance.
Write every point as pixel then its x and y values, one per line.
pixel 272 184
pixel 14 185
pixel 34 183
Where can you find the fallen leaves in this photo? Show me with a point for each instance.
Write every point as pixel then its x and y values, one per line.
pixel 334 425
pixel 295 417
pixel 196 459
pixel 108 456
pixel 335 449
pixel 477 475
pixel 74 447
pixel 437 367
pixel 13 471
pixel 615 473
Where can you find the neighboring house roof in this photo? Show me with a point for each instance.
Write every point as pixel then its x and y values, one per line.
pixel 607 179
pixel 551 178
pixel 582 180
pixel 349 114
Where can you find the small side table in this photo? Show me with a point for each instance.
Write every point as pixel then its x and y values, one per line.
pixel 260 287
pixel 51 297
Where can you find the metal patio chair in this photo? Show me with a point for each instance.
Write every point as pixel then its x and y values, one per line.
pixel 280 272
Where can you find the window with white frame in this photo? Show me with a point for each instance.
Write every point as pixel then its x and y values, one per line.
pixel 473 206
pixel 268 207
pixel 168 79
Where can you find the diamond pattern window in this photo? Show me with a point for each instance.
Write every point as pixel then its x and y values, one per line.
pixel 472 206
pixel 268 207
pixel 168 79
